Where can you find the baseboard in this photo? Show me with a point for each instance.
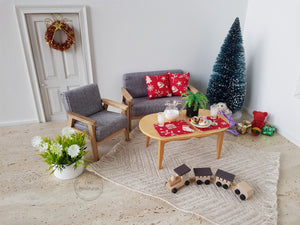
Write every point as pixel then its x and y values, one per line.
pixel 246 109
pixel 292 139
pixel 16 123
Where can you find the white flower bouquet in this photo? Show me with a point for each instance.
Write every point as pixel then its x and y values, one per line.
pixel 63 150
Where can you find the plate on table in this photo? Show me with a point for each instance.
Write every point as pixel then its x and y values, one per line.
pixel 209 122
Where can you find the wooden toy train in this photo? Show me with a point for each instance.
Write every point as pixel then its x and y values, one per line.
pixel 204 176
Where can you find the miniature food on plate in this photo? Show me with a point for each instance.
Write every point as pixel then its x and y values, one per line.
pixel 195 120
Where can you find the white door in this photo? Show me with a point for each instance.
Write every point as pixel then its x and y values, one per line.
pixel 57 71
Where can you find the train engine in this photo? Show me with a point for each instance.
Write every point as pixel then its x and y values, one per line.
pixel 182 179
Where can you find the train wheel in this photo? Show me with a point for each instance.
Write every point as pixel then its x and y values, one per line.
pixel 187 183
pixel 207 182
pixel 199 182
pixel 225 186
pixel 237 191
pixel 242 197
pixel 219 184
pixel 174 190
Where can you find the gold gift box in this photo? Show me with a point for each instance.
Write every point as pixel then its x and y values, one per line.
pixel 243 127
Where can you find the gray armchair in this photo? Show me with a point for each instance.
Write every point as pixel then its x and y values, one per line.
pixel 135 95
pixel 87 112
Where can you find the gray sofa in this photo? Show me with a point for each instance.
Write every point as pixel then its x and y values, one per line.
pixel 135 95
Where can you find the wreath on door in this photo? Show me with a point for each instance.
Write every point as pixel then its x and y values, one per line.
pixel 50 33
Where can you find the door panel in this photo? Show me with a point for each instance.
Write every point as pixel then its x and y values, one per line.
pixel 46 60
pixel 53 94
pixel 57 71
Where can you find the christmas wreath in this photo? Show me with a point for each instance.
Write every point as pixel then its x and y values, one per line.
pixel 50 33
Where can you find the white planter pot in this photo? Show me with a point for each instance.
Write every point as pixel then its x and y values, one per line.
pixel 69 172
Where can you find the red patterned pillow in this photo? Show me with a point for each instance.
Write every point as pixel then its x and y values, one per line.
pixel 179 82
pixel 158 86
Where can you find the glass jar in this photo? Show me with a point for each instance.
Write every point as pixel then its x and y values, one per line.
pixel 172 111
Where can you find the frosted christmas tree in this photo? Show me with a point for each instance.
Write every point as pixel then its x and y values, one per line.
pixel 228 80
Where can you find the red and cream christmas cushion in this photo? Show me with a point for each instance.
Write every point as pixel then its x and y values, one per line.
pixel 179 82
pixel 158 86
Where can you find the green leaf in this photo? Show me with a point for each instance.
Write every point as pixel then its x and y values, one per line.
pixel 56 161
pixel 195 99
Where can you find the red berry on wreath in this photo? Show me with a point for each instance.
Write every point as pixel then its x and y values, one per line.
pixel 50 32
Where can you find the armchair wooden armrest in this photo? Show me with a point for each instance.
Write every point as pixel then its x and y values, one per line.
pixel 127 99
pixel 75 116
pixel 91 126
pixel 126 94
pixel 192 88
pixel 113 103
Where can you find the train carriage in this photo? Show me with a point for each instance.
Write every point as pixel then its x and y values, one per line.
pixel 203 175
pixel 224 178
pixel 244 190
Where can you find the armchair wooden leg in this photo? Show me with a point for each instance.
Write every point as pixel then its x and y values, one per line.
pixel 126 132
pixel 129 125
pixel 129 117
pixel 95 149
pixel 94 142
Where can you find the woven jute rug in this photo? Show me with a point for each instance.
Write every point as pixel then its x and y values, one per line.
pixel 134 166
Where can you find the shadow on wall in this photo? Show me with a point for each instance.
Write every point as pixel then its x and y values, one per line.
pixel 91 39
pixel 297 92
pixel 253 66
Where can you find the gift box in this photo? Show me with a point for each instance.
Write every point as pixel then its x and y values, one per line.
pixel 243 127
pixel 268 129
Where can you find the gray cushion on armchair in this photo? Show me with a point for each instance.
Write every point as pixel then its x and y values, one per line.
pixel 107 124
pixel 84 100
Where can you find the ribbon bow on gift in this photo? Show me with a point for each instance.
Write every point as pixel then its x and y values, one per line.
pixel 232 124
pixel 243 127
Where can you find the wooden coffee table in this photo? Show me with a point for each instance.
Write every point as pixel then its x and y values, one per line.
pixel 146 126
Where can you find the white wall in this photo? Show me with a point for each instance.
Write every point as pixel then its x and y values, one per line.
pixel 153 35
pixel 272 46
pixel 16 99
pixel 126 36
pixel 140 35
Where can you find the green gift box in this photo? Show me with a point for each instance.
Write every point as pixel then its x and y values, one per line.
pixel 268 129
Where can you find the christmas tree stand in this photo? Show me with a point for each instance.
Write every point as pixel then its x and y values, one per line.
pixel 237 115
